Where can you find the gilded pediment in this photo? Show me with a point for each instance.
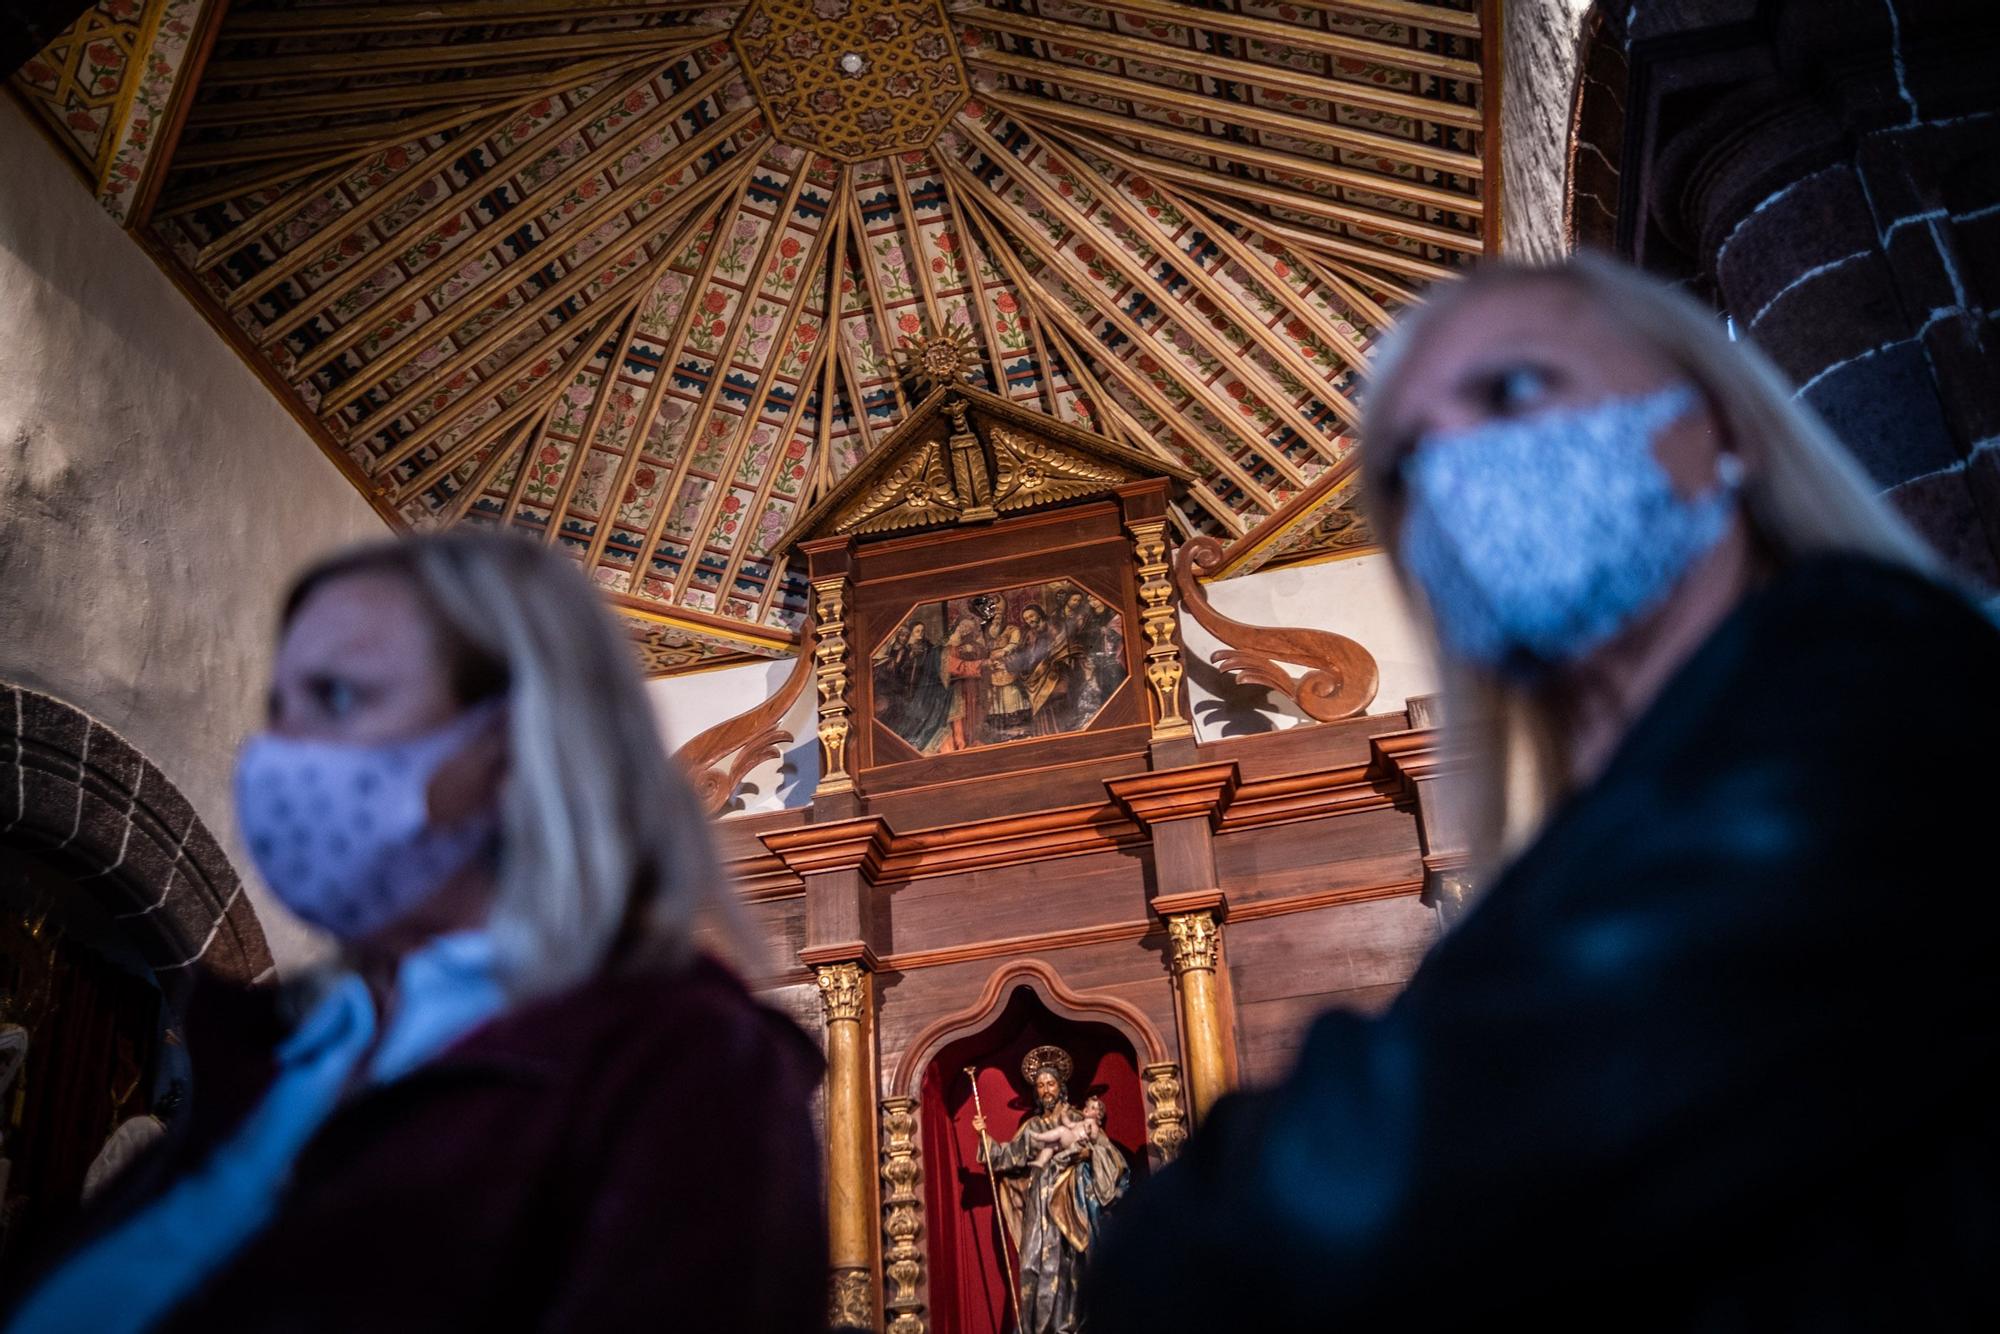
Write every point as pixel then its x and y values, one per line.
pixel 966 456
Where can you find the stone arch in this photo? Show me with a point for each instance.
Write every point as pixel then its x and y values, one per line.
pixel 73 790
pixel 1042 979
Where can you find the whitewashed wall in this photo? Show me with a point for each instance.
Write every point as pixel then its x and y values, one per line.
pixel 1356 597
pixel 154 497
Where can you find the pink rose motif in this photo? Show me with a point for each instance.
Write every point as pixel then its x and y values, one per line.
pixel 825 101
pixel 904 84
pixel 830 9
pixel 930 46
pixel 881 28
pixel 801 45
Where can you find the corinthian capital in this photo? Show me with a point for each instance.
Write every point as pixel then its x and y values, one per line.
pixel 1195 936
pixel 842 990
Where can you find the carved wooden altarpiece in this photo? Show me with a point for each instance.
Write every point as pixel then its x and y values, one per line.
pixel 1018 840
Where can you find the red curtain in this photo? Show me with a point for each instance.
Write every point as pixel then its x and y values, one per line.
pixel 968 1293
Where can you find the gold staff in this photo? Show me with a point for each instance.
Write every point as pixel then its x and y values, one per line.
pixel 1007 1248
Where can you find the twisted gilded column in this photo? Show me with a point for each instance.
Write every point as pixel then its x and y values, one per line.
pixel 846 990
pixel 830 671
pixel 1161 627
pixel 1166 1122
pixel 1196 938
pixel 902 1218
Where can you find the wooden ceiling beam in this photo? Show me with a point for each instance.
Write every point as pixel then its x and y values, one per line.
pixel 453 56
pixel 795 316
pixel 1062 316
pixel 1299 37
pixel 977 311
pixel 1250 114
pixel 482 477
pixel 593 420
pixel 1224 69
pixel 682 216
pixel 1331 248
pixel 537 399
pixel 322 20
pixel 1280 349
pixel 1141 278
pixel 703 276
pixel 449 416
pixel 294 201
pixel 1044 365
pixel 1247 256
pixel 396 97
pixel 878 309
pixel 913 249
pixel 1252 155
pixel 509 273
pixel 732 451
pixel 1271 196
pixel 327 243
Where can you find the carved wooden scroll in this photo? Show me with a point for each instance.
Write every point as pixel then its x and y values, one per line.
pixel 717 759
pixel 1340 677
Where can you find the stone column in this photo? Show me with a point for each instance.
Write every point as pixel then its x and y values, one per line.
pixel 1825 174
pixel 1197 938
pixel 847 992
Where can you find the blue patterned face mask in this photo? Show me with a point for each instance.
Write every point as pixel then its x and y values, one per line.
pixel 342 833
pixel 1535 540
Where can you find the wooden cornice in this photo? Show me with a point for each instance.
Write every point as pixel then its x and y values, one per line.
pixel 843 845
pixel 1399 760
pixel 1213 791
pixel 854 951
pixel 1307 796
pixel 1199 790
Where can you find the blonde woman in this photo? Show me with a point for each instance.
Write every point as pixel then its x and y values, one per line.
pixel 488 1117
pixel 1716 1049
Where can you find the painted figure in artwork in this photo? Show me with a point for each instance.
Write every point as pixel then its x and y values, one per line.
pixel 917 682
pixel 965 673
pixel 1056 1177
pixel 1007 709
pixel 1039 660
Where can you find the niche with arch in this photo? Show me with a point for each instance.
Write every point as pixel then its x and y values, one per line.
pixel 968 1285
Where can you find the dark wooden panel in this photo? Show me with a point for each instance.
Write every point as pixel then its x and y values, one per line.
pixel 1284 970
pixel 1304 749
pixel 1030 899
pixel 1377 847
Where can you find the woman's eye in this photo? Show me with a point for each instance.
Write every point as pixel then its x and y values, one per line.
pixel 337 698
pixel 1517 390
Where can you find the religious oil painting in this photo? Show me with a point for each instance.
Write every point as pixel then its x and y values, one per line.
pixel 1038 660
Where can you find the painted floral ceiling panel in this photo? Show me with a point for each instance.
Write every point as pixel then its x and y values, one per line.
pixel 643 279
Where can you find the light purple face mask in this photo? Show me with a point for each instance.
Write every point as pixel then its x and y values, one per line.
pixel 342 832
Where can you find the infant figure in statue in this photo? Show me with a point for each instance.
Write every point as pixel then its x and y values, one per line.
pixel 1072 1139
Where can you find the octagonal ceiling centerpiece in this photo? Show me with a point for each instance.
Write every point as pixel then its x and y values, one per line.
pixel 643 278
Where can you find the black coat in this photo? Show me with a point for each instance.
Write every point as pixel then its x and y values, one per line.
pixel 1717 1053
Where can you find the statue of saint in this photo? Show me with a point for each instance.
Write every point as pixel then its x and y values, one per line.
pixel 1055 1178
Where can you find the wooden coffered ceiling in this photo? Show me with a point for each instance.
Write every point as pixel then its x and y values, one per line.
pixel 642 278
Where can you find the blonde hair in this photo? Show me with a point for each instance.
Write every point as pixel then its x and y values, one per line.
pixel 603 843
pixel 1803 495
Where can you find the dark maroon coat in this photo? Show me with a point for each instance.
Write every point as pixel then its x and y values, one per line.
pixel 635 1153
